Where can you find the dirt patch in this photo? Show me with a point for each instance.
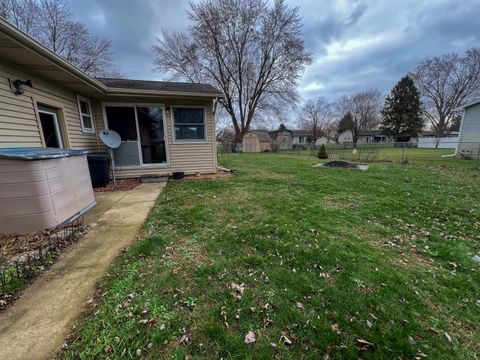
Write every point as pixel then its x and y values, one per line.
pixel 338 164
pixel 121 185
pixel 14 245
pixel 199 176
pixel 342 203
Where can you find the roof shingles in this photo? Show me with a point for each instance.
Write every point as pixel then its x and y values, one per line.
pixel 166 86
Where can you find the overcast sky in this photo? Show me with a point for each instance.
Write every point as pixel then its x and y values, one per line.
pixel 355 44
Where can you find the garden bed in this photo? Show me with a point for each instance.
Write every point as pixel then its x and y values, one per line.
pixel 24 257
pixel 121 185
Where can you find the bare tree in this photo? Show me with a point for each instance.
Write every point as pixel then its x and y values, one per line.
pixel 316 118
pixel 446 82
pixel 364 108
pixel 249 49
pixel 52 23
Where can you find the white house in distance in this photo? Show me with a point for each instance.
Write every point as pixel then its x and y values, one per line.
pixel 300 137
pixel 469 138
pixel 366 137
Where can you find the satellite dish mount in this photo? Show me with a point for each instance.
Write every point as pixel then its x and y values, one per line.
pixel 113 141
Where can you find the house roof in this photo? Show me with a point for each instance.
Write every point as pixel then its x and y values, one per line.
pixel 165 86
pixel 262 135
pixel 300 133
pixel 372 133
pixel 21 49
pixel 467 105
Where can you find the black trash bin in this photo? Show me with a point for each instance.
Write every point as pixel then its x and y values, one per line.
pixel 99 166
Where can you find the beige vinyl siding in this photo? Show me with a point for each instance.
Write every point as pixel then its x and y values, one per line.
pixel 19 126
pixel 188 157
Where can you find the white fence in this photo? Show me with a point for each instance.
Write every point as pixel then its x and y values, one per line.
pixel 443 143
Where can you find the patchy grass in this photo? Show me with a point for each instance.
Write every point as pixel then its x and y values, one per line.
pixel 349 264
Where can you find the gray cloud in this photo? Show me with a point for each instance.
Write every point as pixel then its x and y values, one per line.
pixel 357 44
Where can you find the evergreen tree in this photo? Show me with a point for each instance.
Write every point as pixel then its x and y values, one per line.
pixel 402 111
pixel 346 122
pixel 322 152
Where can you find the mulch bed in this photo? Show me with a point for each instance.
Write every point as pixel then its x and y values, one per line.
pixel 124 184
pixel 338 164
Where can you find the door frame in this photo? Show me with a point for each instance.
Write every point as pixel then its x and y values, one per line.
pixel 39 101
pixel 56 125
pixel 165 131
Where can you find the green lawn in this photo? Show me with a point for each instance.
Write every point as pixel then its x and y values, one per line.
pixel 315 262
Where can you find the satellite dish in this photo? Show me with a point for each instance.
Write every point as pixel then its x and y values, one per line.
pixel 110 138
pixel 113 141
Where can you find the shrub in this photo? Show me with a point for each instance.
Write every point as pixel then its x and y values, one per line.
pixel 322 152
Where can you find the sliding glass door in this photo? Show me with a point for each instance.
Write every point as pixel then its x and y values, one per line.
pixel 142 130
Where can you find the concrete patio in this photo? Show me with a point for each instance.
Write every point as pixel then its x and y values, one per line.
pixel 37 324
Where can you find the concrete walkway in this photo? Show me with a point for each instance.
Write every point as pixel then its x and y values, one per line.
pixel 37 324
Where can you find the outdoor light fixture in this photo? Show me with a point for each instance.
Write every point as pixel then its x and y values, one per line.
pixel 16 85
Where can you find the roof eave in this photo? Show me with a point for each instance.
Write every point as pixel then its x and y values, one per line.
pixel 141 92
pixel 467 105
pixel 42 50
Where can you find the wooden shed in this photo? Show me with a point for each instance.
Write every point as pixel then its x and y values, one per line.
pixel 257 141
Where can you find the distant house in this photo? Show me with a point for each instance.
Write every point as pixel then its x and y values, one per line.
pixel 282 138
pixel 468 145
pixel 300 137
pixel 323 140
pixel 257 141
pixel 365 137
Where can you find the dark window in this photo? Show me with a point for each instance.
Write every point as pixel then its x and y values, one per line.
pixel 189 123
pixel 122 120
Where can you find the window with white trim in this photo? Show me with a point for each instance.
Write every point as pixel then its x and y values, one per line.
pixel 85 110
pixel 189 124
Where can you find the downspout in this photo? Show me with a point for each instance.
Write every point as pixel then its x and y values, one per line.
pixel 459 134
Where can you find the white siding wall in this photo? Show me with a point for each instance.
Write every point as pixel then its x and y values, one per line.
pixel 345 137
pixel 469 137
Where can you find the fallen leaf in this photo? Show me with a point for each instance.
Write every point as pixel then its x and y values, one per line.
pixel 449 338
pixel 107 349
pixel 369 324
pixel 250 337
pixel 284 339
pixel 411 340
pixel 335 328
pixel 184 338
pixel 364 344
pixel 238 290
pixel 299 305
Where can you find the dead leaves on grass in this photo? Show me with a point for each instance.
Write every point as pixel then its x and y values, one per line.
pixel 238 290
